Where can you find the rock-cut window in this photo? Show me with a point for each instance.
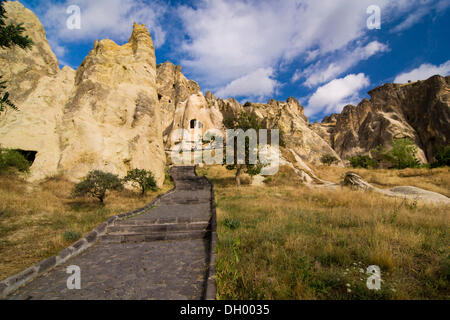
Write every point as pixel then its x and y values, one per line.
pixel 195 124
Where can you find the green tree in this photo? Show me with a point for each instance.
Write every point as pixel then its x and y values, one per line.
pixel 328 159
pixel 442 157
pixel 403 154
pixel 142 179
pixel 96 184
pixel 10 35
pixel 363 161
pixel 243 121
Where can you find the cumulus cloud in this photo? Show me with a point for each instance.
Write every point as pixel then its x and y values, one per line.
pixel 328 69
pixel 336 94
pixel 258 84
pixel 423 72
pixel 230 39
pixel 100 19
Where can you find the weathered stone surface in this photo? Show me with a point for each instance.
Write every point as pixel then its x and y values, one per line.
pixel 419 111
pixel 290 118
pixel 105 115
pixel 182 101
pixel 355 181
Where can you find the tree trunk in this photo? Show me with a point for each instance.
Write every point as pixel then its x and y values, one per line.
pixel 238 175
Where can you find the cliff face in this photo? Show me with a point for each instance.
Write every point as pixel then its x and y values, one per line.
pixel 419 111
pixel 119 110
pixel 103 116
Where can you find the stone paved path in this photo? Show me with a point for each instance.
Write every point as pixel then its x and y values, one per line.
pixel 160 254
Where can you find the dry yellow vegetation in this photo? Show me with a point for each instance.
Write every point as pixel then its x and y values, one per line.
pixel 39 220
pixel 294 242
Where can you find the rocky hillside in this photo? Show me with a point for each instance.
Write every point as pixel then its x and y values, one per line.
pixel 119 110
pixel 419 111
pixel 105 115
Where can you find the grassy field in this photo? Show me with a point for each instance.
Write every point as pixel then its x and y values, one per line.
pixel 39 220
pixel 287 241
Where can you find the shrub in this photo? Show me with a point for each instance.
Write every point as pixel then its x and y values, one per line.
pixel 232 223
pixel 71 235
pixel 363 161
pixel 96 184
pixel 328 159
pixel 442 157
pixel 13 159
pixel 403 154
pixel 142 179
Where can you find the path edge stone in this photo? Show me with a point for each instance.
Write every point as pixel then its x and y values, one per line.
pixel 12 283
pixel 210 292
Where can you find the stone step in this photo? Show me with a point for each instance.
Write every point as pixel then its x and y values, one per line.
pixel 157 236
pixel 151 228
pixel 152 220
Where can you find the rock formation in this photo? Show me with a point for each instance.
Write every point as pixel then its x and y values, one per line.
pixel 355 181
pixel 119 110
pixel 182 102
pixel 105 115
pixel 419 111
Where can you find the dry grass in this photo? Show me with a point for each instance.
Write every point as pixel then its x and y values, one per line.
pixel 437 180
pixel 292 242
pixel 34 217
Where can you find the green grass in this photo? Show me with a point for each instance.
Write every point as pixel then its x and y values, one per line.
pixel 299 243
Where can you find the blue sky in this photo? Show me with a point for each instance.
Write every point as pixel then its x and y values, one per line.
pixel 318 51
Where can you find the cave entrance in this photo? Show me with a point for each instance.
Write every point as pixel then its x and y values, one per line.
pixel 30 155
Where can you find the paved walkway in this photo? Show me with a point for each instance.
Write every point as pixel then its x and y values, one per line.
pixel 160 254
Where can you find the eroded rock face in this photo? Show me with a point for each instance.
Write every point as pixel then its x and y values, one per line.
pixel 182 102
pixel 103 116
pixel 419 111
pixel 290 118
pixel 24 68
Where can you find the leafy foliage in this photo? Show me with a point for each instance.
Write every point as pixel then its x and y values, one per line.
pixel 96 184
pixel 71 235
pixel 403 154
pixel 244 121
pixel 363 161
pixel 442 158
pixel 328 159
pixel 142 179
pixel 10 35
pixel 13 159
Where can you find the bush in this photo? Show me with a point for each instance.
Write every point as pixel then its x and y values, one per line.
pixel 13 159
pixel 363 161
pixel 442 158
pixel 142 179
pixel 328 159
pixel 96 184
pixel 402 155
pixel 71 235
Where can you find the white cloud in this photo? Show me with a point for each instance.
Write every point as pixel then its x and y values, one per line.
pixel 424 72
pixel 100 19
pixel 412 19
pixel 328 69
pixel 258 84
pixel 416 10
pixel 231 39
pixel 336 94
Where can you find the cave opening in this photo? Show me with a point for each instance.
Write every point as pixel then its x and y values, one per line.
pixel 30 155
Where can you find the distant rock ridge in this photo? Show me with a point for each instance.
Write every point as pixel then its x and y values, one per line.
pixel 120 110
pixel 419 111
